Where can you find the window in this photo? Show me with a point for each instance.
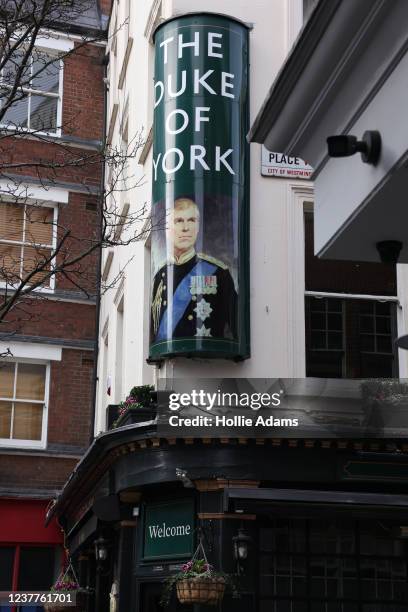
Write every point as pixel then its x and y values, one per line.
pixel 326 325
pixel 23 402
pixel 351 338
pixel 331 565
pixel 37 103
pixel 351 319
pixel 27 239
pixel 28 568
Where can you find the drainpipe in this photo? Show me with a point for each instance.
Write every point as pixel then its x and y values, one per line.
pixel 99 264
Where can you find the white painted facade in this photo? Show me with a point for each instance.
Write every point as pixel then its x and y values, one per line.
pixel 276 232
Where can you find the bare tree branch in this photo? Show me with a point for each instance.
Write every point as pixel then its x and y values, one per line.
pixel 40 250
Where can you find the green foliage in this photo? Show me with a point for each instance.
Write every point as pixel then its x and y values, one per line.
pixel 139 397
pixel 196 569
pixel 142 395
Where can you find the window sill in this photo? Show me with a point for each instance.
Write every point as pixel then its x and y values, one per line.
pixel 21 131
pixel 23 445
pixel 5 287
pixel 42 452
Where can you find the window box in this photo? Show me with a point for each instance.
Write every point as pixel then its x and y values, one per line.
pixel 136 415
pixel 140 406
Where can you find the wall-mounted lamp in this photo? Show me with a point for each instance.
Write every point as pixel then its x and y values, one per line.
pixel 101 549
pixel 402 342
pixel 346 145
pixel 182 475
pixel 241 545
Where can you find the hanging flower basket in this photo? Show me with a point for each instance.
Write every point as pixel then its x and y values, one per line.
pixel 209 591
pixel 198 582
pixel 80 606
pixel 64 590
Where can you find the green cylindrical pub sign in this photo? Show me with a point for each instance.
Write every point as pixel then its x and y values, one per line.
pixel 199 302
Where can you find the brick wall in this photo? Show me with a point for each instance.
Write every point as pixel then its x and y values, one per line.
pixel 65 320
pixel 70 399
pixel 81 217
pixel 69 412
pixel 20 472
pixel 83 93
pixel 51 161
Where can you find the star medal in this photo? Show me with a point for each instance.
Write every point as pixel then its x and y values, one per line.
pixel 203 309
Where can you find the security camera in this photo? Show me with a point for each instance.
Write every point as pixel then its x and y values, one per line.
pixel 345 145
pixel 389 251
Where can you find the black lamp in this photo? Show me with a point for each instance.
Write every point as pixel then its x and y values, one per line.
pixel 101 549
pixel 241 544
pixel 402 342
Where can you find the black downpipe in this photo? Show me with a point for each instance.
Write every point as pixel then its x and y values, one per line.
pixel 99 265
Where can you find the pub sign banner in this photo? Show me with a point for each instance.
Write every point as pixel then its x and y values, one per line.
pixel 168 530
pixel 199 301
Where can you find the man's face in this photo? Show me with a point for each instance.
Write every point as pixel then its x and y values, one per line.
pixel 183 228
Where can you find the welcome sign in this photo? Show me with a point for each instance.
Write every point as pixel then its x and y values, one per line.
pixel 168 530
pixel 199 301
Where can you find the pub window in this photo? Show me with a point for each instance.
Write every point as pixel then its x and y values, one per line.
pixel 331 566
pixel 326 324
pixel 37 105
pixel 375 328
pixel 350 316
pixel 27 239
pixel 23 403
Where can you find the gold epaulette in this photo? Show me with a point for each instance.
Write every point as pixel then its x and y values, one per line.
pixel 213 260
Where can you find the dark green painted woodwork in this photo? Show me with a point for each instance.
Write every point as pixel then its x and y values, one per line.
pixel 371 470
pixel 215 167
pixel 168 530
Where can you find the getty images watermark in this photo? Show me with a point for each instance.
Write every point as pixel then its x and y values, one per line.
pixel 288 408
pixel 209 401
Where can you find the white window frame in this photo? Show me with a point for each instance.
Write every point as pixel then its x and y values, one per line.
pixel 42 204
pixel 30 444
pixel 59 96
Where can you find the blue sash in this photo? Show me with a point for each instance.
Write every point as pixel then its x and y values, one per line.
pixel 181 299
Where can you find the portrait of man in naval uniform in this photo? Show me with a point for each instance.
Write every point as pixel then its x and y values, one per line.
pixel 193 293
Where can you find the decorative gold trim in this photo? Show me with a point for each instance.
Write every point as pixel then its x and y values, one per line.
pixel 130 497
pixel 128 523
pixel 226 516
pixel 221 483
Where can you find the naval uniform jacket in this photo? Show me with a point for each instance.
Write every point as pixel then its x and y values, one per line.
pixel 196 298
